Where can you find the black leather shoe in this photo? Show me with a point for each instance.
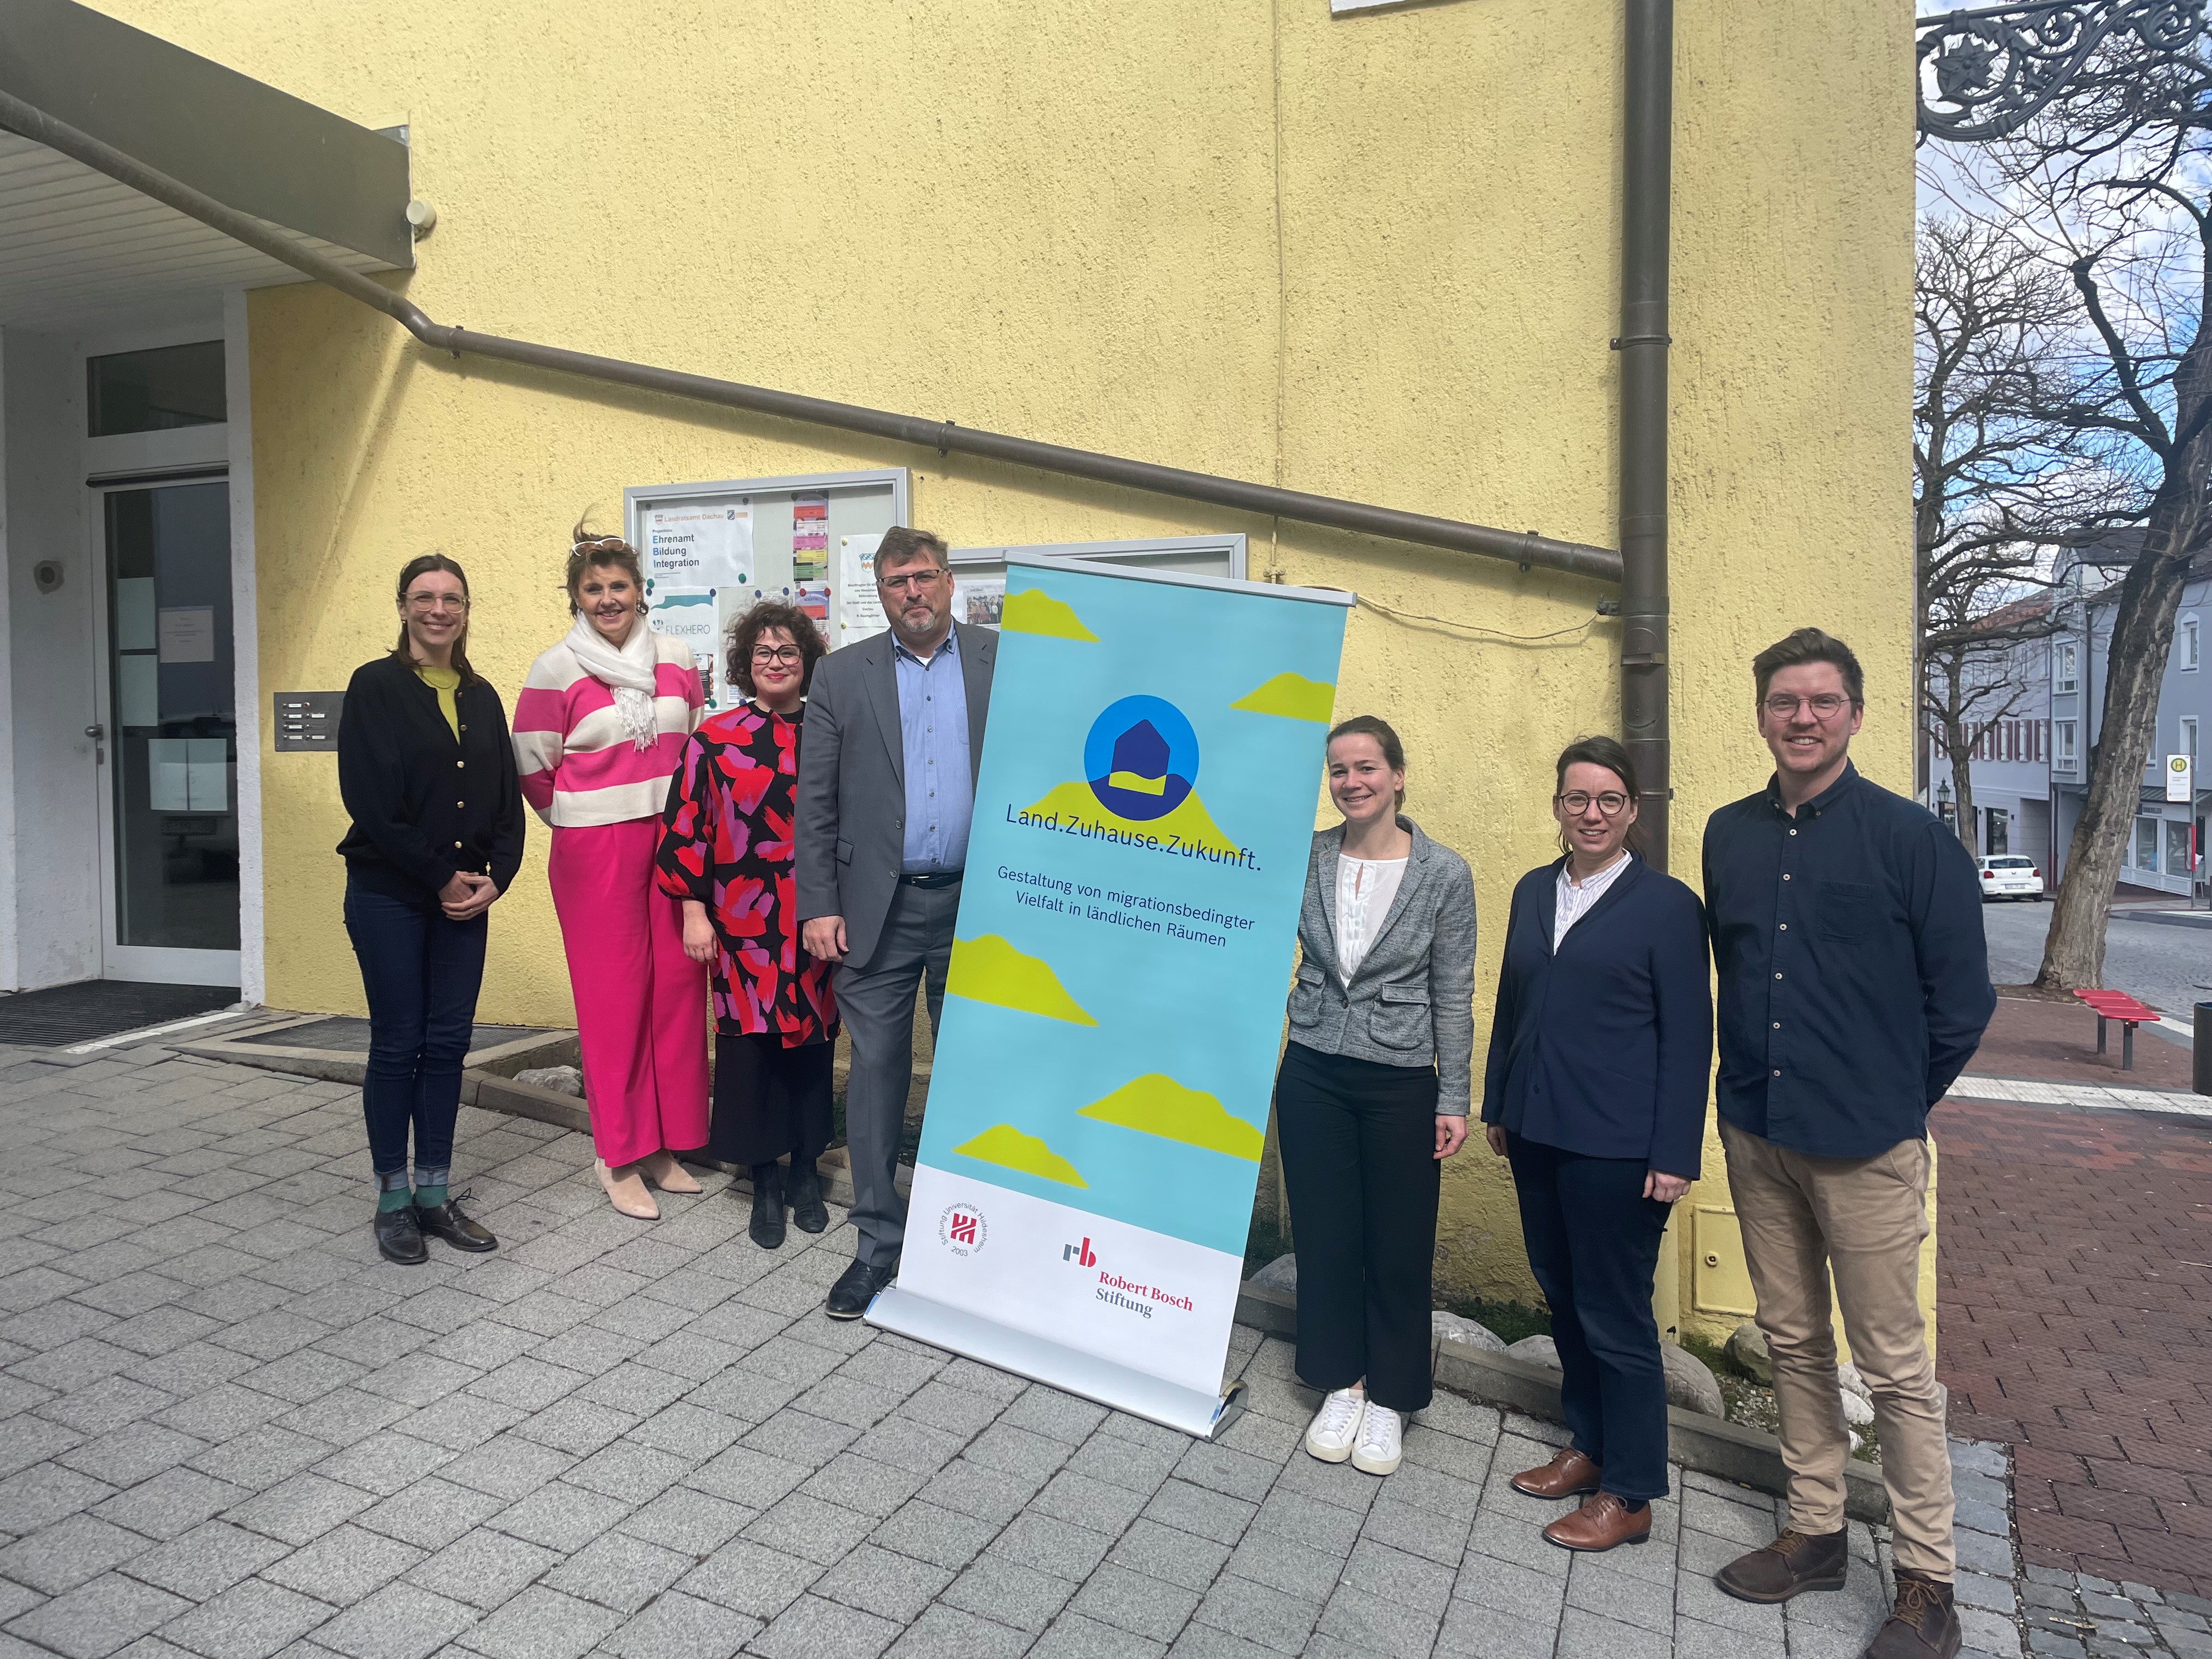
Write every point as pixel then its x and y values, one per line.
pixel 399 1236
pixel 856 1287
pixel 766 1227
pixel 808 1213
pixel 446 1221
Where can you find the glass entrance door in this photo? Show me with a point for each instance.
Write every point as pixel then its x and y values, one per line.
pixel 169 805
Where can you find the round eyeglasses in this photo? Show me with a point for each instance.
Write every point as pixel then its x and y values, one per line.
pixel 1611 803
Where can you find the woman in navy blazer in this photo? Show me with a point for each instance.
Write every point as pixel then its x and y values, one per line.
pixel 1601 1051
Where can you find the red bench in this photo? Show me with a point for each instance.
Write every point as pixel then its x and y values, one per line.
pixel 2119 1005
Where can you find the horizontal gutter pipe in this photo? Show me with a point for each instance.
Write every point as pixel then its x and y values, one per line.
pixel 1522 548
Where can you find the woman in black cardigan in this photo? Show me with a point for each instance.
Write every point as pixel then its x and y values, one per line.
pixel 427 771
pixel 1601 1051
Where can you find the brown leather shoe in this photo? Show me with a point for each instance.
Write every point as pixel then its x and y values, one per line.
pixel 1791 1565
pixel 1569 1474
pixel 1924 1625
pixel 1601 1522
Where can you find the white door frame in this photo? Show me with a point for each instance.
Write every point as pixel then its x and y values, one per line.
pixel 117 464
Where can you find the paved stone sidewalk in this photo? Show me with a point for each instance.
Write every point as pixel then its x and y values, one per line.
pixel 232 1431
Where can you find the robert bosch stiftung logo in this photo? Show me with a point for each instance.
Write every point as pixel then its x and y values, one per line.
pixel 962 1229
pixel 1082 1254
pixel 1140 758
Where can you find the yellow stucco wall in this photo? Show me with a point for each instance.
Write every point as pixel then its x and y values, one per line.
pixel 1372 256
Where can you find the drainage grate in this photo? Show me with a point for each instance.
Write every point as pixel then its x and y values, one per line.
pixel 64 1014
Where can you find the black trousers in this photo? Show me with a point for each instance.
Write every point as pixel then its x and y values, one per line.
pixel 1359 1144
pixel 422 972
pixel 769 1100
pixel 1593 1242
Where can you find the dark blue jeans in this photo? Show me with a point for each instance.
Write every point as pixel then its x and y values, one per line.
pixel 1593 1242
pixel 422 973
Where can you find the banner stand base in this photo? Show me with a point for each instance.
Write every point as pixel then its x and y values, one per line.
pixel 1203 1416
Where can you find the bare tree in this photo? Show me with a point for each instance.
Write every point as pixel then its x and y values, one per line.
pixel 1999 479
pixel 2114 187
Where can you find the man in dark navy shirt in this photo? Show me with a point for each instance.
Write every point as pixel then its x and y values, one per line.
pixel 1854 988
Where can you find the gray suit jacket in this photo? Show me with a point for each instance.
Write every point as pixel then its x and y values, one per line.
pixel 851 834
pixel 1412 999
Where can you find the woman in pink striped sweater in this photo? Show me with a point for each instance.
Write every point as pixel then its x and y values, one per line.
pixel 600 727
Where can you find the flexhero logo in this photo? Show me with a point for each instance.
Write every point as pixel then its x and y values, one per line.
pixel 1082 1254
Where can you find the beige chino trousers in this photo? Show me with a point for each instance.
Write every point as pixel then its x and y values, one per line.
pixel 1863 1219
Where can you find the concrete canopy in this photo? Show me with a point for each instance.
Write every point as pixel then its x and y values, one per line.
pixel 73 244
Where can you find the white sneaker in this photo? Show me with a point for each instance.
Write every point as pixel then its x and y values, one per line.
pixel 1336 1426
pixel 1379 1449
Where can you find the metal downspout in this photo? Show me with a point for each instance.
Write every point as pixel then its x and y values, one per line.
pixel 1524 548
pixel 1646 184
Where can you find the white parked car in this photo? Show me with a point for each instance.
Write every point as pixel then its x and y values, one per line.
pixel 2007 877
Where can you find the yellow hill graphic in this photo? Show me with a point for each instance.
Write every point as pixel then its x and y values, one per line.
pixel 1189 821
pixel 987 968
pixel 1008 1148
pixel 1292 695
pixel 1033 611
pixel 1155 1104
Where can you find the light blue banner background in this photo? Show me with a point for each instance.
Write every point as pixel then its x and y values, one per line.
pixel 1208 1016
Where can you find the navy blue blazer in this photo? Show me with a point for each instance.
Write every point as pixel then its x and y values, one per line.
pixel 1606 1048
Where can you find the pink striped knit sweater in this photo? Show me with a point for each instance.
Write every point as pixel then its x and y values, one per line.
pixel 577 763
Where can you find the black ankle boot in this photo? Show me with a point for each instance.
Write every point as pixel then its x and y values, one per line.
pixel 767 1228
pixel 804 1190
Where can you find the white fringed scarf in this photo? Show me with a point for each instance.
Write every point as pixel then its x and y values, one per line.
pixel 628 672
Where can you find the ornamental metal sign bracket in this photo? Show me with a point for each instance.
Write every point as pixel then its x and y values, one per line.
pixel 1987 71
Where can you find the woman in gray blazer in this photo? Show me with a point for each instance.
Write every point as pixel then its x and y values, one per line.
pixel 1372 1096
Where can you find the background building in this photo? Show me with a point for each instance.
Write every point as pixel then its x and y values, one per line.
pixel 1372 255
pixel 2165 855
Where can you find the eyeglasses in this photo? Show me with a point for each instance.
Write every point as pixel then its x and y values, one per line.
pixel 436 602
pixel 913 582
pixel 788 656
pixel 1824 706
pixel 1611 803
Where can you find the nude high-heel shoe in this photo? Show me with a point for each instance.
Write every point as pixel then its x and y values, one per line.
pixel 662 1170
pixel 626 1191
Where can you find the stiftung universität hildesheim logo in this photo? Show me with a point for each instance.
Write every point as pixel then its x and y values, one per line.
pixel 1141 758
pixel 962 1229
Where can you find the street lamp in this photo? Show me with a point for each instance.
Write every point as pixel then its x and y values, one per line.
pixel 1943 799
pixel 1985 71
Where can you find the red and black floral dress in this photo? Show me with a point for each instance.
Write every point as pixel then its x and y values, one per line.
pixel 725 840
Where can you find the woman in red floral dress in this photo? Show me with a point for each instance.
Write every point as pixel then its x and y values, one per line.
pixel 725 849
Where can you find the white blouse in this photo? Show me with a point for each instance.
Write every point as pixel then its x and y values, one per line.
pixel 1577 899
pixel 1364 889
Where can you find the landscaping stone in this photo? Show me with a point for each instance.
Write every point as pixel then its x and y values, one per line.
pixel 1747 1345
pixel 1537 1351
pixel 1691 1383
pixel 561 1079
pixel 1466 1332
pixel 1280 1274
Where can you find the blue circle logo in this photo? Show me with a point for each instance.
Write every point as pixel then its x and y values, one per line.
pixel 1141 758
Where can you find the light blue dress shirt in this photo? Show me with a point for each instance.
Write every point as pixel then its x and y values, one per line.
pixel 940 789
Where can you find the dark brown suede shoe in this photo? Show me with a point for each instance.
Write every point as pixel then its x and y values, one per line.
pixel 1791 1565
pixel 1601 1522
pixel 1569 1474
pixel 1923 1625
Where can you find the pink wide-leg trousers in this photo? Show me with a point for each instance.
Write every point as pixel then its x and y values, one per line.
pixel 641 1002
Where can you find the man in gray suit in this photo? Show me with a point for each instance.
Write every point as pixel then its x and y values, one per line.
pixel 886 791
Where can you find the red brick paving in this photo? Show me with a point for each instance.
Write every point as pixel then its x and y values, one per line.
pixel 2075 1300
pixel 2058 1041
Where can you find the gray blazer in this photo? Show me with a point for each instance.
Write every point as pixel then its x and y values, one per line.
pixel 851 834
pixel 1412 999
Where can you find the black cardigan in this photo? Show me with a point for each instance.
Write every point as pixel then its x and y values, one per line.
pixel 424 805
